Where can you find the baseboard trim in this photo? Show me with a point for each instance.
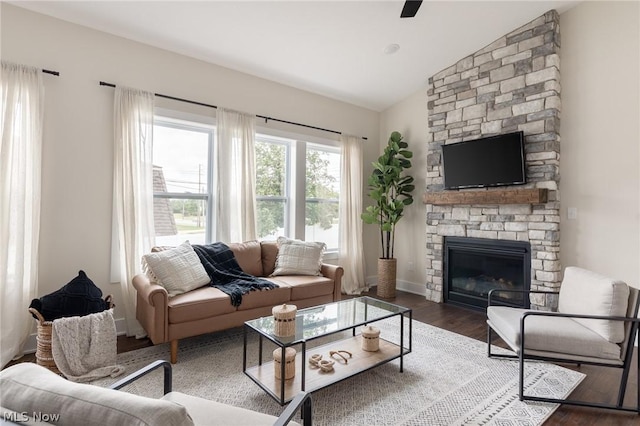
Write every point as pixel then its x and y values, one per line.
pixel 408 286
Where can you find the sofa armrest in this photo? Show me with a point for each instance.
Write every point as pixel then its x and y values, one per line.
pixel 152 309
pixel 335 273
pixel 154 294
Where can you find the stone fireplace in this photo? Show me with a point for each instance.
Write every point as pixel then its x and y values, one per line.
pixel 512 84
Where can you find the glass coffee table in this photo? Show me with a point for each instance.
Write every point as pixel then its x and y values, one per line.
pixel 327 321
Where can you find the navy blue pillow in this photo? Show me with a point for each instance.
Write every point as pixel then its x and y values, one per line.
pixel 78 298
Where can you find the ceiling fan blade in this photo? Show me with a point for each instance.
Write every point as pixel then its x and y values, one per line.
pixel 410 8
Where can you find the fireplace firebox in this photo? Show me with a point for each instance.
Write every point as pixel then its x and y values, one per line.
pixel 475 266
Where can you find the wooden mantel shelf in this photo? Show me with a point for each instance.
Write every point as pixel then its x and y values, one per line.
pixel 500 196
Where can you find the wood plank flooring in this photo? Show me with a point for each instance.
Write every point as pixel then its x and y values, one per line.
pixel 601 384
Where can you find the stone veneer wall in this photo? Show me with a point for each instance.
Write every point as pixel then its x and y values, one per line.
pixel 512 84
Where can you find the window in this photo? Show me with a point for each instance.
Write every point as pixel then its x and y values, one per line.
pixel 297 185
pixel 297 190
pixel 182 181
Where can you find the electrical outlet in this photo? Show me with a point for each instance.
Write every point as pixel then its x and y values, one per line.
pixel 572 213
pixel 410 266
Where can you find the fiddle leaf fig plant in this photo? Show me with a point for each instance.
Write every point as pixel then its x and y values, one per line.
pixel 391 191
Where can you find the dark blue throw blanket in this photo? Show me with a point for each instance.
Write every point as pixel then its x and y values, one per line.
pixel 225 273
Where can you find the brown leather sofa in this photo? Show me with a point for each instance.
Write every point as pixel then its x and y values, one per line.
pixel 207 309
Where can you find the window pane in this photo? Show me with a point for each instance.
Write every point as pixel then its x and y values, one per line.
pixel 271 169
pixel 271 181
pixel 322 195
pixel 183 158
pixel 180 166
pixel 177 220
pixel 271 216
pixel 322 222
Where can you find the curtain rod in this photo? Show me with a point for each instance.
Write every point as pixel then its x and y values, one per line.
pixel 265 118
pixel 56 73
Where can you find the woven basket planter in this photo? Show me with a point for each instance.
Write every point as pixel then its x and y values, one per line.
pixel 387 278
pixel 44 357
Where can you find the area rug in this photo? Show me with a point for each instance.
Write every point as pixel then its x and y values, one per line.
pixel 447 380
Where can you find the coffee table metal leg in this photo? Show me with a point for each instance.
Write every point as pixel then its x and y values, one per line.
pixel 282 374
pixel 303 364
pixel 244 350
pixel 410 329
pixel 260 349
pixel 401 342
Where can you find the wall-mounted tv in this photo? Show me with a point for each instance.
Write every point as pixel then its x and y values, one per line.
pixel 490 161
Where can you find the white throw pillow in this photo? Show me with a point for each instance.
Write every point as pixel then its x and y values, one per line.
pixel 297 257
pixel 178 269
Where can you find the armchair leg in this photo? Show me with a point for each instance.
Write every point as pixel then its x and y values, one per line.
pixel 174 351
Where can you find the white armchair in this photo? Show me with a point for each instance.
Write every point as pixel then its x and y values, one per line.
pixel 596 323
pixel 30 393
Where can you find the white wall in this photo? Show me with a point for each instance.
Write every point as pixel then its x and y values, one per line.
pixel 409 117
pixel 600 157
pixel 78 129
pixel 600 129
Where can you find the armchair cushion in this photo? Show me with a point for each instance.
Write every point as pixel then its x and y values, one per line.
pixel 177 269
pixel 551 334
pixel 585 292
pixel 27 387
pixel 201 411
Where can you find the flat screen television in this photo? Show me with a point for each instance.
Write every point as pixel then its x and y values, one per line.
pixel 491 161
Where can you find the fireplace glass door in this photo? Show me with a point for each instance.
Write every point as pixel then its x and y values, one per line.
pixel 475 266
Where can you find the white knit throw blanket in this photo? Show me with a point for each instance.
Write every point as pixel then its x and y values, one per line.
pixel 85 348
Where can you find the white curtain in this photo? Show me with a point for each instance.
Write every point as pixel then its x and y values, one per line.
pixel 20 176
pixel 133 229
pixel 351 187
pixel 235 177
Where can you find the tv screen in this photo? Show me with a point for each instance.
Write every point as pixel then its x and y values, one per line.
pixel 491 161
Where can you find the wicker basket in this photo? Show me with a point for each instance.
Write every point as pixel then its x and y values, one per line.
pixel 290 363
pixel 387 278
pixel 44 356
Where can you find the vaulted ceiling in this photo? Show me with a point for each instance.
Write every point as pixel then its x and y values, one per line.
pixel 333 48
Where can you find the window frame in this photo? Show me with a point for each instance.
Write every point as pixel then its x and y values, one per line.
pixel 297 144
pixel 192 122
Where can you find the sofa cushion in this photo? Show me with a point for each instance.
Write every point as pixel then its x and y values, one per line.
pixel 588 293
pixel 304 286
pixel 249 257
pixel 269 256
pixel 27 387
pixel 297 257
pixel 178 269
pixel 197 304
pixel 205 412
pixel 262 298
